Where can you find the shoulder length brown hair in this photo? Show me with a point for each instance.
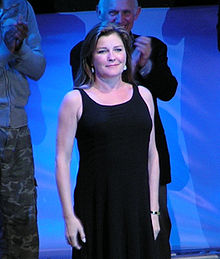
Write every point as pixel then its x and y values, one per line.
pixel 85 75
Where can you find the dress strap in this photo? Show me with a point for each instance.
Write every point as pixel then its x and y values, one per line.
pixel 83 93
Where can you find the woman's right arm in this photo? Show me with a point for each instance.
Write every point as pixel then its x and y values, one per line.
pixel 69 114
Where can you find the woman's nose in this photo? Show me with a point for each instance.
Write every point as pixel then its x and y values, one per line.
pixel 111 56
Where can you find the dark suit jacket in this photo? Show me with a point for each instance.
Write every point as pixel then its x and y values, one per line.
pixel 162 85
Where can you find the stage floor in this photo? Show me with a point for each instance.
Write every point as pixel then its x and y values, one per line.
pixel 197 254
pixel 180 254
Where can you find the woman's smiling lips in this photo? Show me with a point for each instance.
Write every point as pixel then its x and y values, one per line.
pixel 112 65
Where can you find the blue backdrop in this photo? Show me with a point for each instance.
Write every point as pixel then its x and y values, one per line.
pixel 191 119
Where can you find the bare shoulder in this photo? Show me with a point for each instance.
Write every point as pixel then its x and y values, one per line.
pixel 72 103
pixel 147 97
pixel 145 93
pixel 72 98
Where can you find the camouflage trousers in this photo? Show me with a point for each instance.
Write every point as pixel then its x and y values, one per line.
pixel 18 214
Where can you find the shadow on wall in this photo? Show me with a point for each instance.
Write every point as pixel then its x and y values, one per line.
pixel 200 79
pixel 59 33
pixel 54 30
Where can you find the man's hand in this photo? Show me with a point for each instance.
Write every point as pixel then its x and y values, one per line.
pixel 142 51
pixel 15 35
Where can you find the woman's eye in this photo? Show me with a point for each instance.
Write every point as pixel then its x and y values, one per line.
pixel 101 51
pixel 118 49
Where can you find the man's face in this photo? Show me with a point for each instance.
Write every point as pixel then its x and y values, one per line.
pixel 122 12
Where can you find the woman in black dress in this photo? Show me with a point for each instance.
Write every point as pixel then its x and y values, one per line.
pixel 115 214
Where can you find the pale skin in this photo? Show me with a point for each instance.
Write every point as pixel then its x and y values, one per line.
pixel 124 13
pixel 109 59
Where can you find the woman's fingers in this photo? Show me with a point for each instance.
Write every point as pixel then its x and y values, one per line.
pixel 156 225
pixel 75 234
pixel 82 234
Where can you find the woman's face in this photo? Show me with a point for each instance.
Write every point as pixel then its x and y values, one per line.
pixel 109 57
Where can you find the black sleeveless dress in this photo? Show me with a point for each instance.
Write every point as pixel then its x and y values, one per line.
pixel 112 195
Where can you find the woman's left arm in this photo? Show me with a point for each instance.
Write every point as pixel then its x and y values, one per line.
pixel 153 165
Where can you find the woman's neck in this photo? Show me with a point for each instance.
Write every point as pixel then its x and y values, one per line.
pixel 107 85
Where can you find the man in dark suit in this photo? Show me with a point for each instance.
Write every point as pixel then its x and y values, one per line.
pixel 149 60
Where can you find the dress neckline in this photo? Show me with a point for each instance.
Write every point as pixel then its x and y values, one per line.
pixel 109 105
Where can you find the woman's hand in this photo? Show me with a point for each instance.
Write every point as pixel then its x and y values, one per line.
pixel 156 225
pixel 73 228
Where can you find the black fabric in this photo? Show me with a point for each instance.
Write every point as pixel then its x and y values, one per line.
pixel 112 194
pixel 162 85
pixel 163 249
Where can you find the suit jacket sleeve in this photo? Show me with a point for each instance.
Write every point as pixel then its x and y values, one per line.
pixel 160 80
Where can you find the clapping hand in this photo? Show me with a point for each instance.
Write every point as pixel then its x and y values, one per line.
pixel 142 51
pixel 15 35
